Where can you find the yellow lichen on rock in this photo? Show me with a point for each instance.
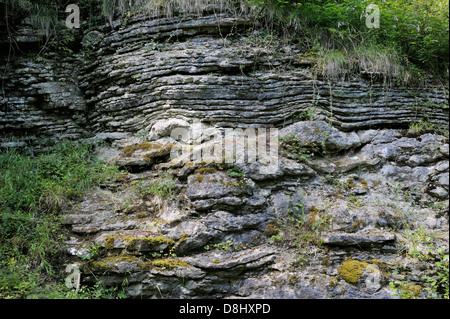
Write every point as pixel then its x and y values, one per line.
pixel 150 150
pixel 130 149
pixel 410 291
pixel 150 241
pixel 205 170
pixel 168 264
pixel 110 263
pixel 351 270
pixel 131 241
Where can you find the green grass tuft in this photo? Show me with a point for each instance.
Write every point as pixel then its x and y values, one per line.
pixel 34 189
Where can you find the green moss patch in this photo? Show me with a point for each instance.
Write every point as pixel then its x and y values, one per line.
pixel 206 170
pixel 110 263
pixel 131 149
pixel 351 270
pixel 152 149
pixel 132 242
pixel 163 264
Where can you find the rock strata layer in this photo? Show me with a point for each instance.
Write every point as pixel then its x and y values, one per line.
pixel 207 68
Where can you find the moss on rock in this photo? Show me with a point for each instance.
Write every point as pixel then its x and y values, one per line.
pixel 164 264
pixel 205 170
pixel 110 263
pixel 198 179
pixel 383 267
pixel 131 241
pixel 410 291
pixel 351 270
pixel 150 150
pixel 130 149
pixel 150 241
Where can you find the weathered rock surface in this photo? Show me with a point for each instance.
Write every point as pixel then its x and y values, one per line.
pixel 180 69
pixel 224 235
pixel 224 230
pixel 321 133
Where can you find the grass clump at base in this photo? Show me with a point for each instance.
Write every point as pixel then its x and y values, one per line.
pixel 34 189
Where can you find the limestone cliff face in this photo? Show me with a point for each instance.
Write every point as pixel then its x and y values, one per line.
pixel 334 219
pixel 206 68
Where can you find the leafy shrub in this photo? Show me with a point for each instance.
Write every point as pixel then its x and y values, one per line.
pixel 438 285
pixel 235 171
pixel 417 29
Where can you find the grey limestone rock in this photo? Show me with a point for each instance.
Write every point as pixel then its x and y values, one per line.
pixel 321 133
pixel 225 234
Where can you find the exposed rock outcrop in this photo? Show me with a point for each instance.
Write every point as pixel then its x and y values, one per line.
pixel 207 68
pixel 333 217
pixel 222 233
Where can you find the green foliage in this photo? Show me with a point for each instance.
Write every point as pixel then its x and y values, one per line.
pixel 405 290
pixel 225 246
pixel 15 279
pixel 301 230
pixel 47 21
pixel 416 239
pixel 292 147
pixel 421 126
pixel 438 285
pixel 355 201
pixel 417 29
pixel 94 250
pixel 422 244
pixel 34 188
pixel 42 14
pixel 98 291
pixel 235 171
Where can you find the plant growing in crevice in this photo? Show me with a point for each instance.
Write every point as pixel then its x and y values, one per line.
pixel 307 115
pixel 94 250
pixel 162 186
pixel 293 147
pixel 225 246
pixel 235 171
pixel 438 285
pixel 421 126
pixel 405 290
pixel 301 229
